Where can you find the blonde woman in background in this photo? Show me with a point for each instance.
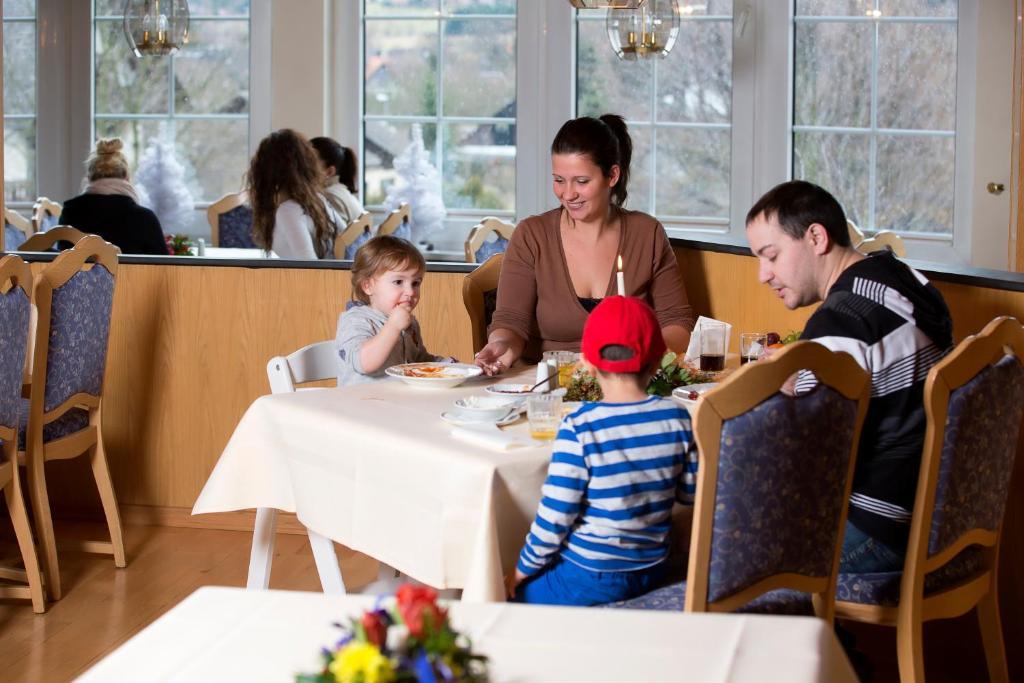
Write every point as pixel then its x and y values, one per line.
pixel 109 205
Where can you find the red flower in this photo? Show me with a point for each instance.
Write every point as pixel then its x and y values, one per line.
pixel 376 628
pixel 419 610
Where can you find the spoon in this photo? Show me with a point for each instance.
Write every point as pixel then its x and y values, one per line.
pixel 546 379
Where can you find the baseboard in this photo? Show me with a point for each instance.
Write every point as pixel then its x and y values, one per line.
pixel 241 520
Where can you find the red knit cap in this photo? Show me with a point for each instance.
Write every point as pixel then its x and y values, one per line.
pixel 623 321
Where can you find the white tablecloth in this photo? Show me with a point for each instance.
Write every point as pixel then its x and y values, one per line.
pixel 376 469
pixel 229 634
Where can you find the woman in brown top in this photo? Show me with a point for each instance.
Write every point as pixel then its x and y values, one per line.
pixel 560 264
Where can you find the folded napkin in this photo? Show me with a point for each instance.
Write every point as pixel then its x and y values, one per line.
pixel 489 436
pixel 693 350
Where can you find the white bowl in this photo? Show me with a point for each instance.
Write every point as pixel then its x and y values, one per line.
pixel 486 408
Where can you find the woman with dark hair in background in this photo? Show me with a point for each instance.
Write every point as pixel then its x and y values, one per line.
pixel 109 206
pixel 560 264
pixel 291 215
pixel 338 166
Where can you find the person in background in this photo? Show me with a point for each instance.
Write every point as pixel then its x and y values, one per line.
pixel 109 205
pixel 892 321
pixel 379 330
pixel 338 166
pixel 617 467
pixel 560 264
pixel 291 214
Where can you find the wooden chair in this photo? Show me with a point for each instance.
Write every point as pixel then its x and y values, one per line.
pixel 480 296
pixel 355 234
pixel 74 300
pixel 974 401
pixel 397 223
pixel 479 247
pixel 856 234
pixel 17 229
pixel 15 307
pixel 882 240
pixel 46 241
pixel 230 220
pixel 773 483
pixel 45 214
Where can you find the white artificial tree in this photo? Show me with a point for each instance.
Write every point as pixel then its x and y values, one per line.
pixel 160 179
pixel 419 184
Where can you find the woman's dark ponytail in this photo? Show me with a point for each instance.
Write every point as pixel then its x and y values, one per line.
pixel 618 127
pixel 605 141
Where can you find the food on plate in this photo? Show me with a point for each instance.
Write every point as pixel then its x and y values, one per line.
pixel 775 342
pixel 427 371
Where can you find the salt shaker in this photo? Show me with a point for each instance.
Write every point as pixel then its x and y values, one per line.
pixel 200 247
pixel 545 369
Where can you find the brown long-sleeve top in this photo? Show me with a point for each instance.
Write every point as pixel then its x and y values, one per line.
pixel 536 297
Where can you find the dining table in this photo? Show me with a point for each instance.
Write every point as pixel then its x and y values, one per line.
pixel 230 634
pixel 375 468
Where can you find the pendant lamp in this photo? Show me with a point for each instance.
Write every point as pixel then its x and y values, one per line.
pixel 645 32
pixel 155 27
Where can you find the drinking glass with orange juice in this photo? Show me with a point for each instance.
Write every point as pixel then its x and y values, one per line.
pixel 544 413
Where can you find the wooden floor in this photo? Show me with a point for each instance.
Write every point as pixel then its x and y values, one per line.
pixel 103 606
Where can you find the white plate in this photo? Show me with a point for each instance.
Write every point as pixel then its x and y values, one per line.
pixel 454 419
pixel 424 375
pixel 518 390
pixel 681 395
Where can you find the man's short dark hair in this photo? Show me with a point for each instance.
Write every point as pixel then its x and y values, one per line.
pixel 797 204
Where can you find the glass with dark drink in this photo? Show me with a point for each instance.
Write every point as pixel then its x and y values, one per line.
pixel 751 346
pixel 712 346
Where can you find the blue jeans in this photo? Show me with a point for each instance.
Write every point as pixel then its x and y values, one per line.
pixel 862 554
pixel 566 583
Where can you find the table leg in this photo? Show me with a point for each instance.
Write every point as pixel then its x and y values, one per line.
pixel 262 553
pixel 326 563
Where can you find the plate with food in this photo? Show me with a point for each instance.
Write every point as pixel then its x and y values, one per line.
pixel 433 374
pixel 687 396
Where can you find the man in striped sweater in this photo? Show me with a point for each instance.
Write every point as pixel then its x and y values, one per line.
pixel 617 467
pixel 894 324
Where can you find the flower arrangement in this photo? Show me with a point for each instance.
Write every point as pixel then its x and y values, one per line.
pixel 178 245
pixel 672 372
pixel 412 641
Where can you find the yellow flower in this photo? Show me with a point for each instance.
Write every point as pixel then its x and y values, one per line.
pixel 361 663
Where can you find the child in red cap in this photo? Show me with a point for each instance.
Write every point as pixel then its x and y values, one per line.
pixel 617 467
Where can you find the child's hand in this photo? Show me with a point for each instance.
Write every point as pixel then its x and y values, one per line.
pixel 512 582
pixel 400 317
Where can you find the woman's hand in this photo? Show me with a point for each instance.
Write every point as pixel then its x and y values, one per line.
pixel 493 357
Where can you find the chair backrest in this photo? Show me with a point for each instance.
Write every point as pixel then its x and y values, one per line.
pixel 397 222
pixel 45 214
pixel 974 400
pixel 15 223
pixel 480 296
pixel 45 241
pixel 774 479
pixel 479 246
pixel 355 234
pixel 74 296
pixel 882 240
pixel 230 220
pixel 309 364
pixel 15 311
pixel 856 234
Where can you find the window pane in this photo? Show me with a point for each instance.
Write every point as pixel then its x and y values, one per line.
pixel 212 73
pixel 219 8
pixel 832 63
pixel 915 183
pixel 401 68
pixel 216 153
pixel 695 79
pixel 111 8
pixel 19 160
pixel 918 8
pixel 640 170
pixel 917 76
pixel 480 6
pixel 384 141
pixel 19 8
pixel 693 172
pixel 480 67
pixel 604 83
pixel 124 83
pixel 20 67
pixel 135 134
pixel 480 166
pixel 404 7
pixel 834 8
pixel 839 163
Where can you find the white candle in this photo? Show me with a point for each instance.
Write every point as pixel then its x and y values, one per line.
pixel 620 280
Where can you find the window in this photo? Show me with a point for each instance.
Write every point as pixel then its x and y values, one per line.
pixel 19 102
pixel 679 112
pixel 198 99
pixel 448 69
pixel 874 114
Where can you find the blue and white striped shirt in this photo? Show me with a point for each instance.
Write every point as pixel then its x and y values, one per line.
pixel 615 471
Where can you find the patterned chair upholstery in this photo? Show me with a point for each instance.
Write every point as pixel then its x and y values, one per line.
pixel 489 248
pixel 488 237
pixel 13 238
pixel 15 314
pixel 363 238
pixel 768 513
pixel 61 417
pixel 974 399
pixel 235 228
